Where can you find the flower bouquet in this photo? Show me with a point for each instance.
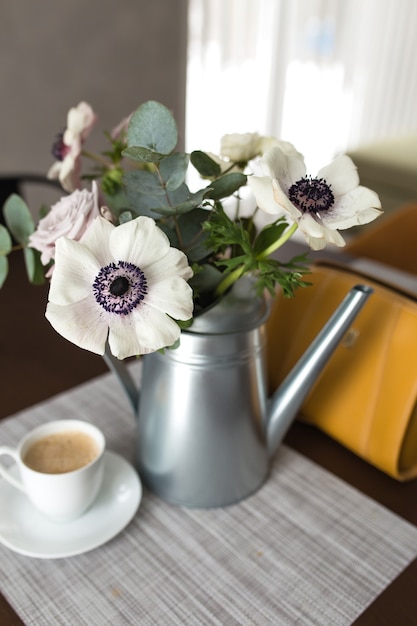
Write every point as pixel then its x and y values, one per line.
pixel 132 253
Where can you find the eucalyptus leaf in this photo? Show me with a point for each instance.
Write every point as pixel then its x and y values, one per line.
pixel 170 233
pixel 173 169
pixel 226 185
pixel 152 126
pixel 34 268
pixel 142 204
pixel 136 153
pixel 125 216
pixel 204 283
pixel 4 268
pixel 193 237
pixel 18 218
pixel 144 182
pixel 5 241
pixel 204 164
pixel 117 202
pixel 180 204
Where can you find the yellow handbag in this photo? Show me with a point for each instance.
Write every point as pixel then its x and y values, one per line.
pixel 366 396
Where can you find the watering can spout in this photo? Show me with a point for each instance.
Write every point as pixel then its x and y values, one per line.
pixel 288 398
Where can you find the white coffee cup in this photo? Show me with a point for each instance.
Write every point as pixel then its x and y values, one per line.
pixel 59 496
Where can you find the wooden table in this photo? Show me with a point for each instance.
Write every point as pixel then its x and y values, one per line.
pixel 36 364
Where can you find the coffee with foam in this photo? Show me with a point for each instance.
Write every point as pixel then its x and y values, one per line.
pixel 61 452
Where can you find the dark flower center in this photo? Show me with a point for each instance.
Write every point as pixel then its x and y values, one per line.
pixel 311 195
pixel 59 148
pixel 120 287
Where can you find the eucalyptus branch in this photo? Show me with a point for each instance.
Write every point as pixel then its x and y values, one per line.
pixel 174 218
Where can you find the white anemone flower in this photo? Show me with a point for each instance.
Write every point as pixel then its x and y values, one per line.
pixel 122 284
pixel 320 206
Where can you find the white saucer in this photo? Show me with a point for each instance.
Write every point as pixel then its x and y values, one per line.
pixel 23 529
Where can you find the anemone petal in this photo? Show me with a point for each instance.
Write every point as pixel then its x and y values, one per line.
pixel 284 164
pixel 96 239
pixel 81 323
pixel 173 296
pixel 145 330
pixel 284 202
pixel 262 190
pixel 139 241
pixel 74 272
pixel 341 174
pixel 317 235
pixel 173 263
pixel 359 206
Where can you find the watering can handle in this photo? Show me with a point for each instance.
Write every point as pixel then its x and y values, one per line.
pixel 119 368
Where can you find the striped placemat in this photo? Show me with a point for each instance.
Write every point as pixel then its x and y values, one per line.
pixel 305 549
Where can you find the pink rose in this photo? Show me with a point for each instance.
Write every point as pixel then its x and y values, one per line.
pixel 67 148
pixel 69 217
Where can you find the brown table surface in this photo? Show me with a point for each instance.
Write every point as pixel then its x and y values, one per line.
pixel 36 363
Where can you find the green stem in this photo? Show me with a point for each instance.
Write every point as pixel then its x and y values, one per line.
pixel 229 280
pixel 97 158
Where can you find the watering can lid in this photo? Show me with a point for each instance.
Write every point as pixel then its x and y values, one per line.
pixel 239 310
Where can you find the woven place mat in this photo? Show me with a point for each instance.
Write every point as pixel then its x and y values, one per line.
pixel 306 548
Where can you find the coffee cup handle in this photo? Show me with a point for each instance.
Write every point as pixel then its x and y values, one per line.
pixel 5 473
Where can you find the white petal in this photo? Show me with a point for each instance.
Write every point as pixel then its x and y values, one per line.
pixel 139 241
pixel 341 174
pixel 81 323
pixel 54 170
pixel 97 237
pixel 317 235
pixel 262 190
pixel 173 296
pixel 360 206
pixel 144 330
pixel 68 174
pixel 286 165
pixel 173 264
pixel 282 200
pixel 74 272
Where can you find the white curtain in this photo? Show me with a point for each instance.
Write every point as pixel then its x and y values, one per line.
pixel 326 75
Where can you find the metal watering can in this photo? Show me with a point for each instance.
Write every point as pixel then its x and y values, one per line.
pixel 207 431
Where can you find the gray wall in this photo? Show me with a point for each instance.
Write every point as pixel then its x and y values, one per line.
pixel 115 55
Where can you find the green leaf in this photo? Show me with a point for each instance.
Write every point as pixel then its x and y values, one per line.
pixel 136 153
pixel 185 324
pixel 173 169
pixel 117 202
pixel 226 185
pixel 180 204
pixel 269 234
pixel 194 238
pixel 5 241
pixel 142 181
pixel 18 218
pixel 204 283
pixel 34 268
pixel 205 165
pixel 152 126
pixel 125 216
pixel 4 268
